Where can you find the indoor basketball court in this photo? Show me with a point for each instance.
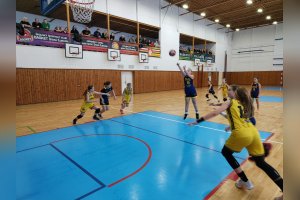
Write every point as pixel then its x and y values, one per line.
pixel 149 99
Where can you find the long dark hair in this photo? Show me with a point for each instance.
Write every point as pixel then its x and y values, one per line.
pixel 88 89
pixel 106 83
pixel 242 95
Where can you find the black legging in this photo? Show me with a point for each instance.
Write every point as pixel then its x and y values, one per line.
pixel 260 162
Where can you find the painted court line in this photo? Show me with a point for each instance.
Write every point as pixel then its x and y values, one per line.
pixel 172 120
pixel 122 135
pixel 89 193
pixel 80 167
pixel 172 137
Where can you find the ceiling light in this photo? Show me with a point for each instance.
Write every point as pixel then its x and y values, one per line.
pixel 249 2
pixel 237 29
pixel 268 17
pixel 227 25
pixel 260 10
pixel 275 22
pixel 203 14
pixel 185 6
pixel 217 20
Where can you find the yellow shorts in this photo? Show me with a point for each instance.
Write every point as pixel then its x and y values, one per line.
pixel 225 95
pixel 248 138
pixel 86 106
pixel 126 100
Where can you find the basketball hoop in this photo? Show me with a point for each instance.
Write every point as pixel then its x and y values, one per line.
pixel 82 10
pixel 114 57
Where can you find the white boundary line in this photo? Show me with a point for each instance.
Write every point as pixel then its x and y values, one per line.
pixel 172 120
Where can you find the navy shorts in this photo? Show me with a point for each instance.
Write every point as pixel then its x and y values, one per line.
pixel 211 92
pixel 104 102
pixel 190 92
pixel 252 120
pixel 254 95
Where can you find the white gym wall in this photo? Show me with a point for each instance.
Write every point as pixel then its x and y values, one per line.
pixel 269 39
pixel 149 12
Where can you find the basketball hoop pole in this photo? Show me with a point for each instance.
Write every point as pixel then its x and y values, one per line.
pixel 68 16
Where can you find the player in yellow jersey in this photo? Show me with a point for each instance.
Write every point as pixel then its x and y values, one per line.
pixel 243 135
pixel 224 87
pixel 88 103
pixel 126 99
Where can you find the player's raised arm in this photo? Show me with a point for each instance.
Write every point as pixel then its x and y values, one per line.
pixel 180 68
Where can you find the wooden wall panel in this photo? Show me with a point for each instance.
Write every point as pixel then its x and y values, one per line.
pixel 49 85
pixel 214 78
pixel 272 78
pixel 154 81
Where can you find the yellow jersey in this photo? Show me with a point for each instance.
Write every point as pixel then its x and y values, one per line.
pixel 87 105
pixel 235 116
pixel 127 94
pixel 224 88
pixel 91 96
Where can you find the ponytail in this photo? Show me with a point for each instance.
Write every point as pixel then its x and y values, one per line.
pixel 244 98
pixel 88 89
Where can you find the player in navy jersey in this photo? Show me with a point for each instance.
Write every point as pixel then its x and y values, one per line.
pixel 255 90
pixel 189 89
pixel 211 91
pixel 104 99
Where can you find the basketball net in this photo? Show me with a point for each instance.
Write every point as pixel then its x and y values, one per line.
pixel 82 10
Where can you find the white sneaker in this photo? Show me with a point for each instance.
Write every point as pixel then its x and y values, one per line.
pixel 240 184
pixel 279 198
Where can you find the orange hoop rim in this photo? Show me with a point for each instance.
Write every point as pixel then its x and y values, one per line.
pixel 73 2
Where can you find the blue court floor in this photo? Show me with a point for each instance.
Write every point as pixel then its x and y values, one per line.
pixel 271 99
pixel 273 88
pixel 146 156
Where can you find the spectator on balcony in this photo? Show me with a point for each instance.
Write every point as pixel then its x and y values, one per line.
pixel 36 24
pixel 104 35
pixel 97 33
pixel 151 43
pixel 156 44
pixel 58 29
pixel 45 25
pixel 86 31
pixel 66 30
pixel 112 36
pixel 122 38
pixel 145 41
pixel 132 40
pixel 24 22
pixel 75 32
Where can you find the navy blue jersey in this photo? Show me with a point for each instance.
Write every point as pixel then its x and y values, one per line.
pixel 189 87
pixel 211 88
pixel 106 90
pixel 255 90
pixel 188 82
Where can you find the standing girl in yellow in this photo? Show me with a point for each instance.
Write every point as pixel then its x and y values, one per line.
pixel 244 135
pixel 126 98
pixel 224 87
pixel 88 103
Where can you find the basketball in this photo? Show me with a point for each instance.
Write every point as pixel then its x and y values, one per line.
pixel 172 52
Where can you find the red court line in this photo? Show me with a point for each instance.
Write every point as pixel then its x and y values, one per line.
pixel 133 173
